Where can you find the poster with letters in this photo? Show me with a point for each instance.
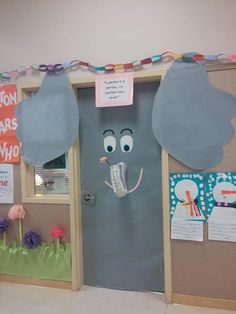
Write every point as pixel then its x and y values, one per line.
pixel 6 184
pixel 9 144
pixel 114 89
pixel 51 183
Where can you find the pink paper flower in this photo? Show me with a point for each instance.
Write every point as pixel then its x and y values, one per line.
pixel 57 232
pixel 16 212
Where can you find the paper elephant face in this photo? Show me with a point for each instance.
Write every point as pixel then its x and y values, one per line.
pixel 124 136
pixel 191 118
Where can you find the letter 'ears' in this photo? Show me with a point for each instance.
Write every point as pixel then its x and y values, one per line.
pixel 191 118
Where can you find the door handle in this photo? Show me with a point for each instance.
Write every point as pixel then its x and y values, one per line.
pixel 89 198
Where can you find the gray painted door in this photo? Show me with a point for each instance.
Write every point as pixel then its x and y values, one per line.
pixel 122 236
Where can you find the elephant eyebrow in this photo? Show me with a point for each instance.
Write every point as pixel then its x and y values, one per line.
pixel 109 130
pixel 126 129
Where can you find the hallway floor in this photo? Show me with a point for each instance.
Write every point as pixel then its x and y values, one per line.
pixel 19 299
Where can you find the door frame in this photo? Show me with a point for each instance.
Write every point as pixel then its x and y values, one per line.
pixel 139 77
pixel 75 196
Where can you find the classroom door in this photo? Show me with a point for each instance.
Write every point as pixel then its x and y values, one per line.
pixel 122 236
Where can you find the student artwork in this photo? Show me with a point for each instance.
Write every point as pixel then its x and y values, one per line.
pixel 191 118
pixel 187 206
pixel 187 197
pixel 48 122
pixel 112 67
pixel 221 206
pixel 221 195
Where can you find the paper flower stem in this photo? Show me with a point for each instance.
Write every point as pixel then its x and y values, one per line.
pixel 4 239
pixel 58 244
pixel 20 231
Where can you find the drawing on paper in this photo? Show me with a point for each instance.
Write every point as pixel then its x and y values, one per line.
pixel 187 197
pixel 221 196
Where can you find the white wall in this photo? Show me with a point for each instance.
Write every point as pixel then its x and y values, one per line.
pixel 107 31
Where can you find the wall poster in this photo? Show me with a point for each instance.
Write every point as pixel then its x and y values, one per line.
pixel 6 184
pixel 9 145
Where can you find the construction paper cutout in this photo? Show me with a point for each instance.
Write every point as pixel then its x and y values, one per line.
pixel 221 200
pixel 42 262
pixel 187 197
pixel 187 206
pixel 118 178
pixel 9 144
pixel 48 122
pixel 221 196
pixel 191 118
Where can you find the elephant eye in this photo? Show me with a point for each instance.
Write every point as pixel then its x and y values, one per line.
pixel 109 144
pixel 126 143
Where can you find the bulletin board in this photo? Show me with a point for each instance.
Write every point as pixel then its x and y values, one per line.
pixel 207 269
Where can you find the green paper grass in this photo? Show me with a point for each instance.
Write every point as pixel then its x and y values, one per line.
pixel 45 261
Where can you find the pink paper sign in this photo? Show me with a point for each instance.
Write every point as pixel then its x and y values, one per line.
pixel 114 89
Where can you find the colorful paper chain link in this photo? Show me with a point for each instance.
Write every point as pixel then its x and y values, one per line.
pixel 108 68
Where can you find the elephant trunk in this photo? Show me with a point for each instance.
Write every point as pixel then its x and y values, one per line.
pixel 118 179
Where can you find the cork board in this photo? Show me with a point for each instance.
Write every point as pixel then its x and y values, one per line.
pixel 208 269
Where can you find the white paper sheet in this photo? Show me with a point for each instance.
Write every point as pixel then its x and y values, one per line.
pixel 222 231
pixel 54 183
pixel 6 184
pixel 187 230
pixel 114 89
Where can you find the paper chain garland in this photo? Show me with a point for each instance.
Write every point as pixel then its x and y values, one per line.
pixel 131 66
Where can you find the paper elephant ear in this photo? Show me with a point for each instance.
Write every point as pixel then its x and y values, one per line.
pixel 48 122
pixel 191 118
